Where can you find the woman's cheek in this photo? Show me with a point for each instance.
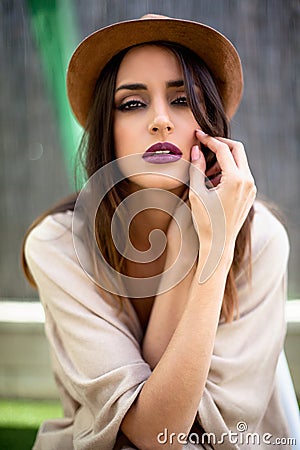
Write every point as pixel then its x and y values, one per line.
pixel 126 137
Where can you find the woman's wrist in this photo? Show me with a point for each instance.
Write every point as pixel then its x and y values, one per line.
pixel 211 261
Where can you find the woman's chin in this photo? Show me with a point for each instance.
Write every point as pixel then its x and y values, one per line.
pixel 156 181
pixel 169 176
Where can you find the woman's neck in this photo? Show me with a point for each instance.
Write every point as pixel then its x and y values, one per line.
pixel 144 223
pixel 149 210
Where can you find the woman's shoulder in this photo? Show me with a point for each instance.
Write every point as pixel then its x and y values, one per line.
pixel 269 250
pixel 64 280
pixel 53 234
pixel 265 282
pixel 52 227
pixel 268 234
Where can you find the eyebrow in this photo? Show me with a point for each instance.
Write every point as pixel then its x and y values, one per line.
pixel 143 87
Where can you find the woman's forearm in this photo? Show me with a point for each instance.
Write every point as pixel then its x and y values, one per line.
pixel 165 315
pixel 170 397
pixel 168 306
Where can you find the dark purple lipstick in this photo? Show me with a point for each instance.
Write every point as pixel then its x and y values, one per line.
pixel 161 153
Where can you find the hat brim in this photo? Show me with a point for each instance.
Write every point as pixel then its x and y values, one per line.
pixel 94 52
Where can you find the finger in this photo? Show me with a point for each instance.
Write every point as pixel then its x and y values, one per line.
pixel 221 150
pixel 197 158
pixel 238 153
pixel 197 169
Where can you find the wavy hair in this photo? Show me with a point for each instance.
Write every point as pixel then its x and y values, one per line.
pixel 207 108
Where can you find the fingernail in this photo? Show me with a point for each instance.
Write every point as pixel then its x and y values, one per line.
pixel 195 154
pixel 201 132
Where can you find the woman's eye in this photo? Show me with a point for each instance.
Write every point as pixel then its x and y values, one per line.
pixel 181 101
pixel 130 105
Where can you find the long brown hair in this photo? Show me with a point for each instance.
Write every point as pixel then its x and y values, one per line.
pixel 97 149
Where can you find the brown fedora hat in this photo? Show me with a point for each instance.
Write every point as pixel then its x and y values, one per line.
pixel 94 52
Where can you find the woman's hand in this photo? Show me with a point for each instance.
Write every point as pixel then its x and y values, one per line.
pixel 226 204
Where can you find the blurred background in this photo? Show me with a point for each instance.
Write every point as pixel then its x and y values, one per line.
pixel 39 137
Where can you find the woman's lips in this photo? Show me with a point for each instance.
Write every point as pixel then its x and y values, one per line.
pixel 161 153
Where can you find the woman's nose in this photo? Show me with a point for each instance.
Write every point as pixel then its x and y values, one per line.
pixel 161 125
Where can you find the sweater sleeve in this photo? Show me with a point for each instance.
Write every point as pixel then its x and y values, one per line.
pixel 240 393
pixel 95 345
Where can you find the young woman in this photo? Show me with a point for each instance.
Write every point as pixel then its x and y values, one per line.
pixel 174 344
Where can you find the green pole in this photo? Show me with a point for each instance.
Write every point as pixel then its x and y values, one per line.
pixel 54 28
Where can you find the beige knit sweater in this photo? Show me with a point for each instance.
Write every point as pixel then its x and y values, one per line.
pixel 97 359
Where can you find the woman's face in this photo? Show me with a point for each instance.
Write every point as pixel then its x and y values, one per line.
pixel 151 108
